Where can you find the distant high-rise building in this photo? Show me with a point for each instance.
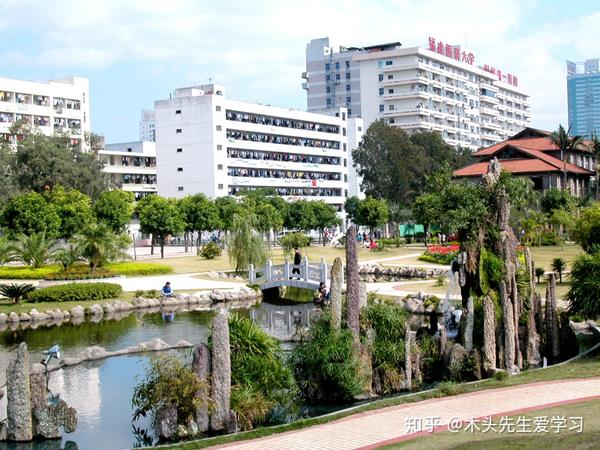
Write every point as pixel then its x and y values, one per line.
pixel 55 106
pixel 583 93
pixel 147 126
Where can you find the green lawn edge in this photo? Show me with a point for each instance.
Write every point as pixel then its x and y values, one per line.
pixel 580 368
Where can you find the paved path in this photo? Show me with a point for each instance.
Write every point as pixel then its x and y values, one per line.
pixel 385 426
pixel 180 282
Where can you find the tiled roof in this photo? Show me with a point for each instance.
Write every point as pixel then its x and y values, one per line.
pixel 520 166
pixel 544 144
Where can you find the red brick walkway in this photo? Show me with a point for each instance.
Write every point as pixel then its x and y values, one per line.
pixel 376 428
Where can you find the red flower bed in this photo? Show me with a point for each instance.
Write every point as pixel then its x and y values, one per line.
pixel 443 249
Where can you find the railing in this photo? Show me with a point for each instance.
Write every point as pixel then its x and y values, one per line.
pixel 304 272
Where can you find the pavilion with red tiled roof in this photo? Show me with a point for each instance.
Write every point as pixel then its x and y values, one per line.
pixel 532 153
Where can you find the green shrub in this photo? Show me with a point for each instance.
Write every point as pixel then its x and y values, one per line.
pixel 81 272
pixel 261 381
pixel 73 292
pixel 293 240
pixel 550 238
pixel 27 272
pixel 210 251
pixel 326 364
pixel 491 270
pixel 584 294
pixel 15 292
pixel 438 258
pixel 501 375
pixel 448 388
pixel 168 382
pixel 395 241
pixel 539 272
pixel 131 269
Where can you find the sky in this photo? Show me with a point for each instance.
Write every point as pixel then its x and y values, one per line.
pixel 138 51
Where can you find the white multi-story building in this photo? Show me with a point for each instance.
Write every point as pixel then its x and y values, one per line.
pixel 438 88
pixel 208 143
pixel 56 106
pixel 131 166
pixel 333 78
pixel 147 126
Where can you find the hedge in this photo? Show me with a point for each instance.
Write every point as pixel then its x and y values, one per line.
pixel 437 258
pixel 81 271
pixel 27 272
pixel 74 292
pixel 139 268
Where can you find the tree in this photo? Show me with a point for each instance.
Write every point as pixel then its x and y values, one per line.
pixel 98 244
pixel 559 265
pixel 73 208
pixel 245 245
pixel 30 213
pixel 555 199
pixel 586 231
pixel 42 162
pixel 8 186
pixel 160 217
pixel 7 250
pixel 351 207
pixel 200 214
pixel 300 215
pixel 584 294
pixel 228 208
pixel 16 291
pixel 427 211
pixel 268 218
pixel 325 216
pixel 114 208
pixel 566 145
pixel 35 250
pixel 595 149
pixel 372 212
pixel 394 165
pixel 539 272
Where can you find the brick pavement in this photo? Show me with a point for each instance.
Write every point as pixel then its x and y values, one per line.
pixel 373 429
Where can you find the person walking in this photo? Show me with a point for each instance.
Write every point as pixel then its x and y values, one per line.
pixel 297 262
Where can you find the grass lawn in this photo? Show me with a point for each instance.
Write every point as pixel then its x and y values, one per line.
pixel 583 368
pixel 587 439
pixel 543 256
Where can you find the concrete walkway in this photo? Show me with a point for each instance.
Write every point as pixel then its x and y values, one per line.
pixel 188 281
pixel 385 426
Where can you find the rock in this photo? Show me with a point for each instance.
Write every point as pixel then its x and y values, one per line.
pixel 352 283
pixel 362 295
pixel 231 296
pixel 551 316
pixel 456 361
pixel 96 310
pixel 407 357
pixel 154 345
pixel 232 425
pixel 38 316
pixel 220 372
pixel 71 361
pixel 13 317
pixel 489 334
pixel 201 365
pixel 37 368
pixel 24 317
pixel 165 422
pixel 443 341
pixel 412 304
pixel 532 345
pixel 93 353
pixel 108 308
pixel 335 293
pixel 77 311
pixel 217 296
pixel 470 323
pixel 509 329
pixel 18 394
pixel 3 318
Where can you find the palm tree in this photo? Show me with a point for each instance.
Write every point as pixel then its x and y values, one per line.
pixel 7 251
pixel 16 291
pixel 566 144
pixel 35 250
pixel 98 244
pixel 595 148
pixel 559 265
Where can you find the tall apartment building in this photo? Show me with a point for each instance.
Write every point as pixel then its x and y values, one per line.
pixel 333 78
pixel 583 93
pixel 147 126
pixel 55 106
pixel 208 143
pixel 436 88
pixel 131 166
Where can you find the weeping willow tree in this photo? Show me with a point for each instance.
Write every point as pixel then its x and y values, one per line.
pixel 245 244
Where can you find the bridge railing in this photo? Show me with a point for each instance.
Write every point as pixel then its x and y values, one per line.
pixel 305 271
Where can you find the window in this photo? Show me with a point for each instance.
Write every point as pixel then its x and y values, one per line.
pixel 179 150
pixel 180 188
pixel 219 166
pixel 347 75
pixel 327 67
pixel 390 91
pixel 220 186
pixel 328 89
pixel 219 128
pixel 180 169
pixel 178 130
pixel 347 88
pixel 359 128
pixel 345 148
pixel 347 64
pixel 337 66
pixel 381 108
pixel 390 77
pixel 389 63
pixel 218 108
pixel 380 77
pixel 327 77
pixel 349 111
pixel 177 111
pixel 391 107
pixel 129 149
pixel 328 101
pixel 348 100
pixel 219 147
pixel 345 178
pixel 337 77
pixel 392 121
pixel 345 162
pixel 380 91
pixel 343 116
pixel 344 133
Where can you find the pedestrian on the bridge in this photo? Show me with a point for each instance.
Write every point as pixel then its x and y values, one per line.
pixel 297 262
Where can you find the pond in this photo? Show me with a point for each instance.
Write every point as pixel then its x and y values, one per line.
pixel 101 390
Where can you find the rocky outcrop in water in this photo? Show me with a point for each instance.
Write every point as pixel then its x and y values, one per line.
pixel 370 273
pixel 220 386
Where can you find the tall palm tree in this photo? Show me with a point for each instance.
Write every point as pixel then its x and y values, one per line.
pixel 595 148
pixel 566 144
pixel 98 244
pixel 35 250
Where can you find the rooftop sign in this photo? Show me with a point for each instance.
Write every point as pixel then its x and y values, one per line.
pixel 451 51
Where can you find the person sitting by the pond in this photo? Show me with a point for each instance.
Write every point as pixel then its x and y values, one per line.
pixel 322 294
pixel 167 290
pixel 372 244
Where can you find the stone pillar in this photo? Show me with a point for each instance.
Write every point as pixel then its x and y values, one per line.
pixel 489 334
pixel 352 282
pixel 362 295
pixel 508 322
pixel 407 357
pixel 220 387
pixel 470 323
pixel 201 367
pixel 443 341
pixel 532 352
pixel 18 395
pixel 552 331
pixel 516 308
pixel 539 318
pixel 335 293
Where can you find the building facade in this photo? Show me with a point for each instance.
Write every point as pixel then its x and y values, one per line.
pixel 583 94
pixel 532 154
pixel 131 166
pixel 208 143
pixel 332 78
pixel 55 106
pixel 147 126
